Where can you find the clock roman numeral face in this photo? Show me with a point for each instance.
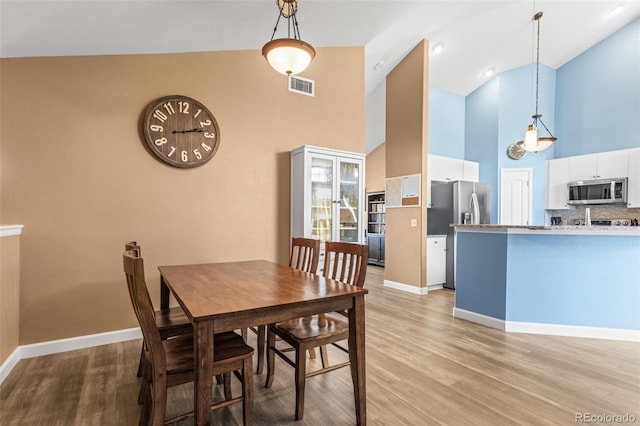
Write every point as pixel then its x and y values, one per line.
pixel 181 131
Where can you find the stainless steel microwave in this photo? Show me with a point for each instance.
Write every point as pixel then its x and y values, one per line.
pixel 598 191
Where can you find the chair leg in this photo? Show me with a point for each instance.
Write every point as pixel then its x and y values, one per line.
pixel 247 392
pixel 159 403
pixel 271 358
pixel 227 386
pixel 324 356
pixel 301 370
pixel 312 353
pixel 262 336
pixel 243 333
pixel 139 373
pixel 145 400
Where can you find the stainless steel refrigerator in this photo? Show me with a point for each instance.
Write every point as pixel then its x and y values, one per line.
pixel 456 202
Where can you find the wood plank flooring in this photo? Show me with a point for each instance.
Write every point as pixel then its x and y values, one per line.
pixel 424 367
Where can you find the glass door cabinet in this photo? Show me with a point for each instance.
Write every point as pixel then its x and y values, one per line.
pixel 327 194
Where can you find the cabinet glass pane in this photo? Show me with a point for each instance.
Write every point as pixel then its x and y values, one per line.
pixel 349 215
pixel 321 198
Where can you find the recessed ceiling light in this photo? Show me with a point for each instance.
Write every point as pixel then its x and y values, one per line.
pixel 378 65
pixel 489 72
pixel 438 48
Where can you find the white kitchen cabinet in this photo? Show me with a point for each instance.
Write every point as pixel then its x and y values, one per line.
pixel 611 164
pixel 327 194
pixel 436 260
pixel 556 184
pixel 471 171
pixel 633 188
pixel 447 169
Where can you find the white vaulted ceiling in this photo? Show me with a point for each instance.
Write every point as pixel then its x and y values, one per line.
pixel 476 35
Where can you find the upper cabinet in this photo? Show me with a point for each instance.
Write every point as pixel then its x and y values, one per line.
pixel 557 177
pixel 447 169
pixel 471 171
pixel 603 165
pixel 633 189
pixel 444 169
pixel 612 164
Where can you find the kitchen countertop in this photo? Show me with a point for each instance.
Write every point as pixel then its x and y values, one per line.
pixel 552 230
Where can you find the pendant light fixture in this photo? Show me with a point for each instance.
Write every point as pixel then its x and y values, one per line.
pixel 289 55
pixel 532 141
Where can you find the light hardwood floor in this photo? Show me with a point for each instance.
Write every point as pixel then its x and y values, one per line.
pixel 423 367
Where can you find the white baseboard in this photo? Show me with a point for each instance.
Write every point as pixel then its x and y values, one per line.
pixel 574 331
pixel 9 363
pixel 405 287
pixel 435 287
pixel 479 318
pixel 549 329
pixel 65 345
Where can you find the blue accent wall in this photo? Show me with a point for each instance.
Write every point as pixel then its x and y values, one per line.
pixel 481 274
pixel 446 123
pixel 598 96
pixel 591 104
pixel 573 281
pixel 481 136
pixel 576 280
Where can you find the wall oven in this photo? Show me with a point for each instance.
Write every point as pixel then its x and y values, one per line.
pixel 598 191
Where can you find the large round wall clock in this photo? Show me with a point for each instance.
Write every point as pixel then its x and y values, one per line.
pixel 180 131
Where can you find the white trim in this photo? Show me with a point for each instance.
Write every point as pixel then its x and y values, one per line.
pixel 479 318
pixel 549 329
pixel 405 287
pixel 9 363
pixel 574 331
pixel 64 345
pixel 10 230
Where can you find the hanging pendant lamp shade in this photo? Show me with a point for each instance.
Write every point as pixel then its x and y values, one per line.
pixel 533 142
pixel 289 55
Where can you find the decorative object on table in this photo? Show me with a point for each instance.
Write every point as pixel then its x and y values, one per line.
pixel 532 141
pixel 289 55
pixel 181 131
pixel 515 151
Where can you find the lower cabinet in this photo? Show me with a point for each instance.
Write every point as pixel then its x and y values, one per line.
pixel 376 249
pixel 436 260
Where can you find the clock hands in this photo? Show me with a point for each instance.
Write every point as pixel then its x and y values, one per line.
pixel 188 131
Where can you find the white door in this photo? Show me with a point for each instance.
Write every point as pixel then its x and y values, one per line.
pixel 516 196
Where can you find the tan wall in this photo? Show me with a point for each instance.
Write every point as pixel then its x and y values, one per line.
pixel 376 169
pixel 9 295
pixel 406 153
pixel 76 174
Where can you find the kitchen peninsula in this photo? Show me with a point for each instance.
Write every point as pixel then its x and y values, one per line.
pixel 565 280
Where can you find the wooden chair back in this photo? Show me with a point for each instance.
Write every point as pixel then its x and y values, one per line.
pixel 143 307
pixel 304 254
pixel 346 262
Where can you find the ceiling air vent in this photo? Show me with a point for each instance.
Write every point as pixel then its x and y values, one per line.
pixel 301 85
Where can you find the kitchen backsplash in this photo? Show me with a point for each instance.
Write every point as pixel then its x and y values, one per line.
pixel 597 212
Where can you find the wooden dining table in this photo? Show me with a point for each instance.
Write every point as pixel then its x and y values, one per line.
pixel 220 297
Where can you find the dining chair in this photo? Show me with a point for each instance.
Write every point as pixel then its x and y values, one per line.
pixel 346 262
pixel 171 321
pixel 170 362
pixel 305 253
